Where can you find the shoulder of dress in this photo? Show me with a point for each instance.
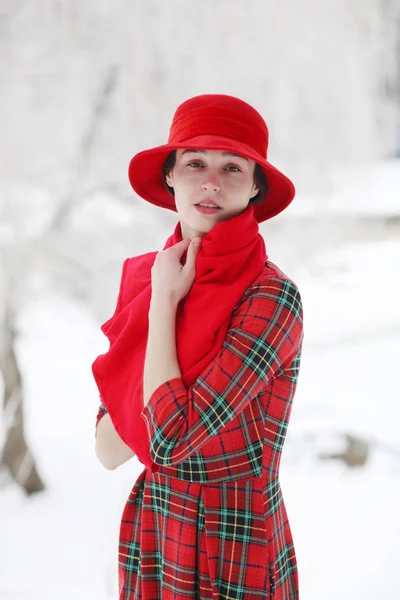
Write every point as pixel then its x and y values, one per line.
pixel 270 273
pixel 271 282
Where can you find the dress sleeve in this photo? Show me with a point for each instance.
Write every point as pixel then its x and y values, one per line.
pixel 101 412
pixel 265 333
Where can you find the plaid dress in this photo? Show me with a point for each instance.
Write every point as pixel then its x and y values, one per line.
pixel 211 523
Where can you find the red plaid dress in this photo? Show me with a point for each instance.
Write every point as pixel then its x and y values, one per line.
pixel 212 523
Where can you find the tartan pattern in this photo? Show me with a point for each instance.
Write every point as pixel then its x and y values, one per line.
pixel 212 522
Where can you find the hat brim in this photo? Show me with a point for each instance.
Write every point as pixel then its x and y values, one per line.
pixel 146 174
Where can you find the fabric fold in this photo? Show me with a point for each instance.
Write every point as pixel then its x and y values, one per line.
pixel 231 257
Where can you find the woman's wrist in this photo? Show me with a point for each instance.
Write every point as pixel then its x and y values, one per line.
pixel 162 305
pixel 161 362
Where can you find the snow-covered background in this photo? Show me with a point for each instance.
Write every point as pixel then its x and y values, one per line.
pixel 84 86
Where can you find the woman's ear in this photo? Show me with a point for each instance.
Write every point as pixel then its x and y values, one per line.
pixel 254 192
pixel 169 179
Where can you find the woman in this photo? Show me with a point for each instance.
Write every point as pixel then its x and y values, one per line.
pixel 205 347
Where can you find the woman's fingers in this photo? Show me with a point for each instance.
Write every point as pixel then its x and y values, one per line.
pixel 180 247
pixel 191 256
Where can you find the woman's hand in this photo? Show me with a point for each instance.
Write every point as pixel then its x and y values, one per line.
pixel 169 279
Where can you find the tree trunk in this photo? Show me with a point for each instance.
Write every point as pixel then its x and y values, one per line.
pixel 15 455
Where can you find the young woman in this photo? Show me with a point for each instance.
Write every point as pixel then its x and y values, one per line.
pixel 198 383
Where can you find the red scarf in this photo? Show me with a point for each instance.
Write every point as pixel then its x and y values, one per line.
pixel 231 257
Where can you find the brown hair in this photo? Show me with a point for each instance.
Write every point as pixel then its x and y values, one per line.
pixel 259 178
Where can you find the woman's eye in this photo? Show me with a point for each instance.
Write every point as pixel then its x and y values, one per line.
pixel 231 168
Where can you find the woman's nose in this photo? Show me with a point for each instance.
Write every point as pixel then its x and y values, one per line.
pixel 210 183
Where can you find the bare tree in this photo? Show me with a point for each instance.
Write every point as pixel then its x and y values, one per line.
pixel 16 455
pixel 18 260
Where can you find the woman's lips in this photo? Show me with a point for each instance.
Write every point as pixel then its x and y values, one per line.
pixel 207 210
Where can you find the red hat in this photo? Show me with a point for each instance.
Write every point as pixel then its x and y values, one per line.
pixel 212 122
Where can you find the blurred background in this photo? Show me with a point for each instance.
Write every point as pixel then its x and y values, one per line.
pixel 85 85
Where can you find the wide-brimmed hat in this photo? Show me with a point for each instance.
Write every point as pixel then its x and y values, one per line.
pixel 212 122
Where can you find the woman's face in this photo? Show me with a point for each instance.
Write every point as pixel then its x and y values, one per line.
pixel 207 176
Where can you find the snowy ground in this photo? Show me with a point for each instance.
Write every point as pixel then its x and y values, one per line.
pixel 346 525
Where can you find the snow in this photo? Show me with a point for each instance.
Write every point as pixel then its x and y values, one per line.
pixel 345 521
pixel 324 76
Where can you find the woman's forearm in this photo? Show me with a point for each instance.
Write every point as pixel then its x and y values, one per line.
pixel 161 361
pixel 110 449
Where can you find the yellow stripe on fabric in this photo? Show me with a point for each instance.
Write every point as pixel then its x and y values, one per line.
pixel 126 555
pixel 254 420
pixel 253 528
pixel 194 510
pixel 289 559
pixel 275 433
